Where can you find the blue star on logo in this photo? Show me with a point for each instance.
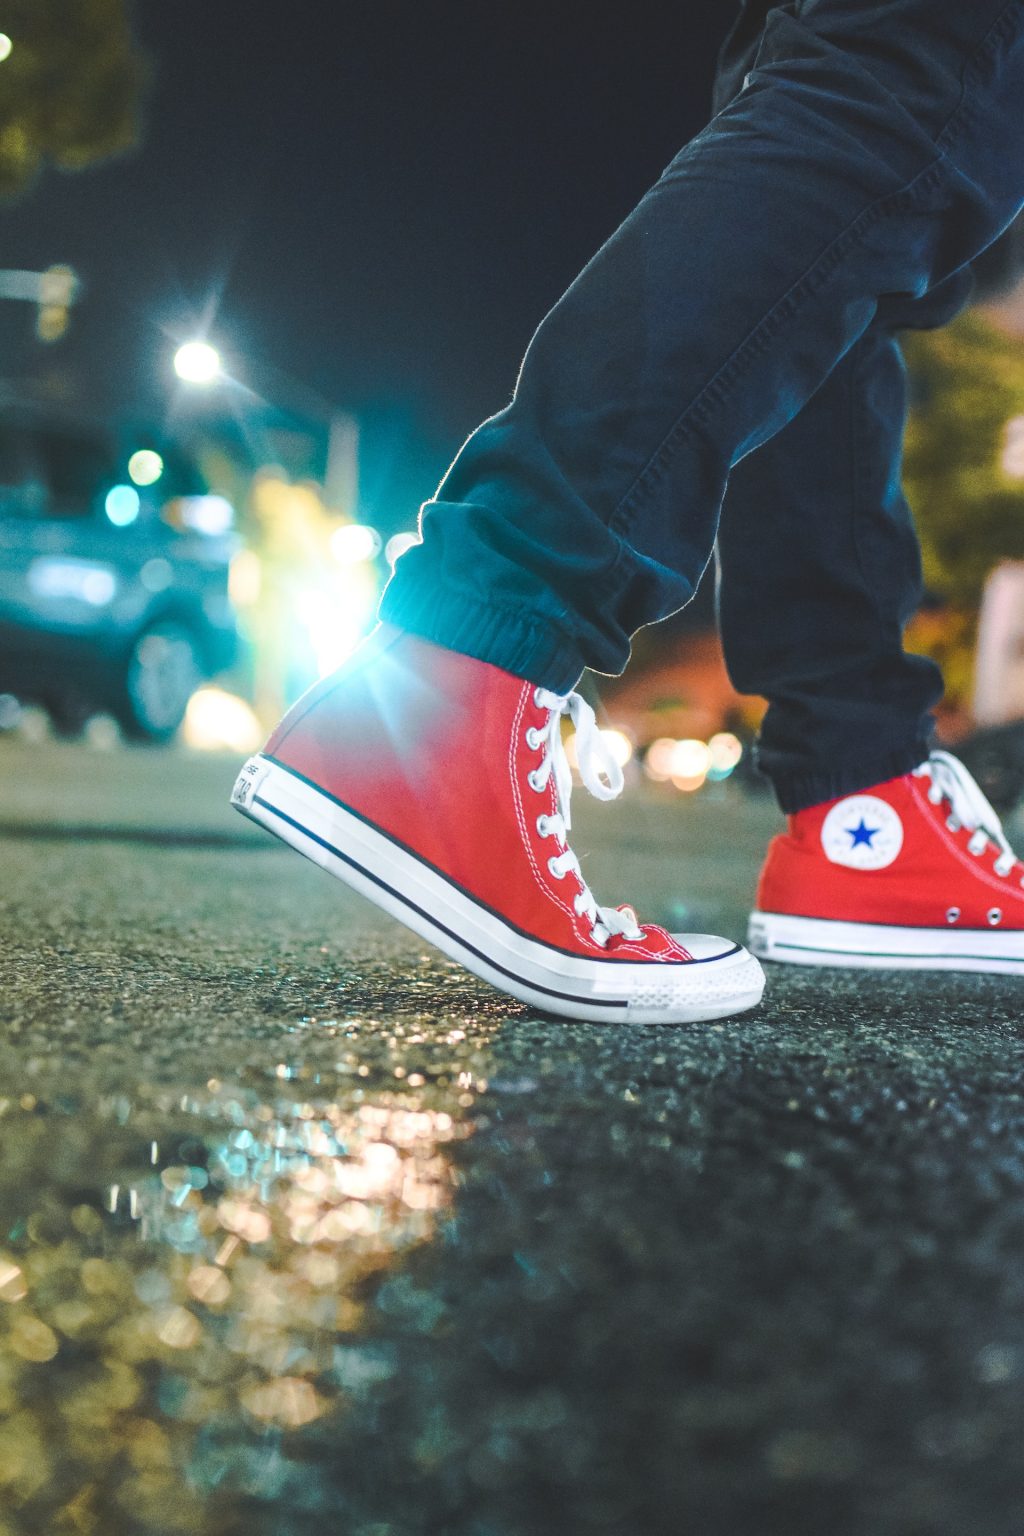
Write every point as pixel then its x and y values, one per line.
pixel 862 834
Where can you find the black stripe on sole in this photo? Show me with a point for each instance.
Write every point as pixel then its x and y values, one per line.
pixel 567 997
pixel 440 873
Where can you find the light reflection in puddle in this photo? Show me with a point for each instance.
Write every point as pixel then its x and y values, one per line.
pixel 211 1288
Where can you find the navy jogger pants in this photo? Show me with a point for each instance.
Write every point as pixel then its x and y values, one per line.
pixel 725 369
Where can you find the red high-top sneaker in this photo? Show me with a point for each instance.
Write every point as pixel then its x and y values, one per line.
pixel 915 874
pixel 438 786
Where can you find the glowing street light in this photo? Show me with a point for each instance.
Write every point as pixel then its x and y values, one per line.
pixel 5 47
pixel 197 363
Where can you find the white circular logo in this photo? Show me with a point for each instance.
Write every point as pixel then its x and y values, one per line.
pixel 862 832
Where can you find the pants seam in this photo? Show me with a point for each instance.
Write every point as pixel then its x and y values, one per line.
pixel 717 388
pixel 1000 30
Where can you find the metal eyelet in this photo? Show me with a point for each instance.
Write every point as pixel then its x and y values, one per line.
pixel 952 825
pixel 533 738
pixel 543 827
pixel 953 915
pixel 536 698
pixel 559 874
pixel 531 779
pixel 995 917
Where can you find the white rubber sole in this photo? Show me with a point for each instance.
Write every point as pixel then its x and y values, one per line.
pixel 722 979
pixel 877 947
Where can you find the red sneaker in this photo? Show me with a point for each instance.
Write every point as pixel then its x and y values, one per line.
pixel 438 786
pixel 915 874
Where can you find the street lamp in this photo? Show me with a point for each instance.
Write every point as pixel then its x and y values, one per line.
pixel 197 363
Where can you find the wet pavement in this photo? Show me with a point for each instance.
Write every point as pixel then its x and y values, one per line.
pixel 303 1230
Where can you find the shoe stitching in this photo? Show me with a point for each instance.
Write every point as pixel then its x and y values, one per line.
pixel 969 861
pixel 632 947
pixel 574 918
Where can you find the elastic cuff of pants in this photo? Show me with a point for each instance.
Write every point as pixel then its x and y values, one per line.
pixel 505 637
pixel 800 791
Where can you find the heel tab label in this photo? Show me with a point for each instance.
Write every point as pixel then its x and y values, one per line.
pixel 248 780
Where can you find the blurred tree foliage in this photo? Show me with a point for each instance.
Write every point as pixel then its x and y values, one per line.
pixel 70 89
pixel 965 487
pixel 967 386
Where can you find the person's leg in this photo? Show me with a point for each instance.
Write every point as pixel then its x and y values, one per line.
pixel 817 559
pixel 819 571
pixel 875 149
pixel 864 158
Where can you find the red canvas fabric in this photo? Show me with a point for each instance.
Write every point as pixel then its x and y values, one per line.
pixel 430 746
pixel 933 875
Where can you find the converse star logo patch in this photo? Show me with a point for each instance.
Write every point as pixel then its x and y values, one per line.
pixel 862 832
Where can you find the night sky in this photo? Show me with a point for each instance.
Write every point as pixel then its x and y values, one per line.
pixel 380 201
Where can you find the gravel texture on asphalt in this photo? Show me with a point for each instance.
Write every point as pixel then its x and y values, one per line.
pixel 304 1230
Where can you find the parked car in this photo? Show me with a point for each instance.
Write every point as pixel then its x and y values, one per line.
pixel 114 565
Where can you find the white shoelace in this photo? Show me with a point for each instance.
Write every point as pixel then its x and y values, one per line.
pixel 602 776
pixel 970 809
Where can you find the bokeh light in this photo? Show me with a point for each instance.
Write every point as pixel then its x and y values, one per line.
pixel 245 578
pixel 219 721
pixel 145 467
pixel 689 763
pixel 122 505
pixel 397 545
pixel 84 581
pixel 5 47
pixel 726 751
pixel 618 744
pixel 212 515
pixel 354 543
pixel 658 761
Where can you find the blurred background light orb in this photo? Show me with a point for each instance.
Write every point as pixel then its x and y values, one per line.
pixel 658 761
pixel 690 761
pixel 726 751
pixel 196 362
pixel 355 543
pixel 122 505
pixel 145 467
pixel 397 545
pixel 245 578
pixel 619 744
pixel 220 721
pixel 5 47
pixel 210 514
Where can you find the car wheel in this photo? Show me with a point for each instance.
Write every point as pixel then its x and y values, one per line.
pixel 164 670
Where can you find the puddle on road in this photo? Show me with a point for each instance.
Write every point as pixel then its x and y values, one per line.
pixel 185 1278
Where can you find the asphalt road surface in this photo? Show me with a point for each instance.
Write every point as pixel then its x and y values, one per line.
pixel 302 1230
